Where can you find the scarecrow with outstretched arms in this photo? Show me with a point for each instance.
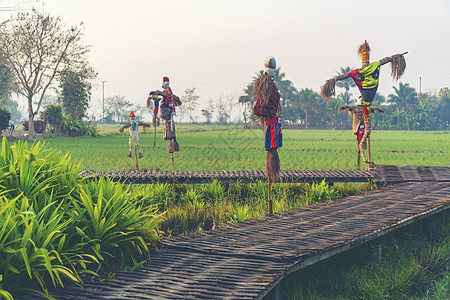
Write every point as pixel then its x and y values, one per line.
pixel 366 79
pixel 267 108
pixel 164 107
pixel 134 137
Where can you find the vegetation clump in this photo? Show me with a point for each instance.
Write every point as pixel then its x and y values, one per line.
pixel 55 227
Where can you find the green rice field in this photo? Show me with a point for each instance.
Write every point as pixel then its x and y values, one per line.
pixel 233 147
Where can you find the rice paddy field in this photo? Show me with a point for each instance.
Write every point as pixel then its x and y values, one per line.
pixel 233 147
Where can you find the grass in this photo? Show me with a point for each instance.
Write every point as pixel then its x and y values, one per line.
pixel 192 208
pixel 235 148
pixel 201 207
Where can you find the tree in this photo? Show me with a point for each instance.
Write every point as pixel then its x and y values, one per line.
pixel 285 87
pixel 118 107
pixel 6 84
pixel 13 107
pixel 247 100
pixel 345 97
pixel 379 99
pixel 309 102
pixel 442 108
pixel 346 83
pixel 404 96
pixel 332 106
pixel 190 101
pixel 76 91
pixel 36 47
pixel 5 116
pixel 221 108
pixel 208 111
pixel 423 115
pixel 6 90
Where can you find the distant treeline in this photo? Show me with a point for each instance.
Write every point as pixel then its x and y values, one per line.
pixel 405 109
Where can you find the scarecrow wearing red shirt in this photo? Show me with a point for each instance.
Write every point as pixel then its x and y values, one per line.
pixel 366 79
pixel 165 109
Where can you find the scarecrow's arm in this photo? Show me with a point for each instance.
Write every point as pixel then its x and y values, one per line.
pixel 376 110
pixel 177 100
pixel 346 107
pixel 143 124
pixel 154 96
pixel 328 88
pixel 388 59
pixel 124 126
pixel 398 64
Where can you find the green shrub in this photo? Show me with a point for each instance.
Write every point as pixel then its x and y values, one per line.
pixel 54 225
pixel 72 127
pixel 5 116
pixel 54 116
pixel 107 216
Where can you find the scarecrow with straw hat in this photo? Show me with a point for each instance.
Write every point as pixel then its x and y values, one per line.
pixel 267 108
pixel 164 107
pixel 366 79
pixel 134 137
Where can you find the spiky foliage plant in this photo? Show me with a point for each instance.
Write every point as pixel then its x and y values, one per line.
pixel 54 225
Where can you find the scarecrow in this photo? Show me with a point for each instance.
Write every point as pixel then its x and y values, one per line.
pixel 164 107
pixel 134 137
pixel 367 79
pixel 267 108
pixel 359 129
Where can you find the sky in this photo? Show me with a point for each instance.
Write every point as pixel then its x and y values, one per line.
pixel 217 46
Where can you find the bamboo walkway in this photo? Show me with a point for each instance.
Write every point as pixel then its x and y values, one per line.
pixel 382 173
pixel 248 259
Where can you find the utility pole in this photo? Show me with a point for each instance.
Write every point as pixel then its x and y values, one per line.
pixel 103 102
pixel 420 85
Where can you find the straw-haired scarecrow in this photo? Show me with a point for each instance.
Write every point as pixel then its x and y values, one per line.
pixel 366 79
pixel 134 137
pixel 164 107
pixel 267 108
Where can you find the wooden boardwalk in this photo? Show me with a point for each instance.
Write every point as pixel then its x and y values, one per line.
pixel 382 173
pixel 248 259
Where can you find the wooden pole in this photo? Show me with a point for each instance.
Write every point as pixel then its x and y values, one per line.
pixel 270 197
pixel 359 160
pixel 173 171
pixel 358 156
pixel 368 146
pixel 135 155
pixel 154 138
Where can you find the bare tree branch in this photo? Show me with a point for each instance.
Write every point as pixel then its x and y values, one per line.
pixel 38 48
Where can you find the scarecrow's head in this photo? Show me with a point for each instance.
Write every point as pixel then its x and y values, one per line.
pixel 364 51
pixel 270 64
pixel 165 84
pixel 132 116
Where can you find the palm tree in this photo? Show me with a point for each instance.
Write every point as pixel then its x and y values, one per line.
pixel 309 102
pixel 345 97
pixel 423 115
pixel 346 83
pixel 247 100
pixel 380 99
pixel 332 106
pixel 404 97
pixel 285 87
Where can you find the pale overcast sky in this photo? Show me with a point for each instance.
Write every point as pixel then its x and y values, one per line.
pixel 217 46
